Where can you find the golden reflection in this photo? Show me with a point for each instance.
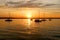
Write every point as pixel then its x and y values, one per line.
pixel 29 22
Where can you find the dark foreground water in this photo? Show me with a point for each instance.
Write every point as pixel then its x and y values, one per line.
pixel 25 29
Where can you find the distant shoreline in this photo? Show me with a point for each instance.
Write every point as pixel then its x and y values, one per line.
pixel 29 18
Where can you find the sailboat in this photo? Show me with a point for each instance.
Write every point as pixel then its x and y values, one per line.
pixel 8 19
pixel 49 19
pixel 38 20
pixel 43 18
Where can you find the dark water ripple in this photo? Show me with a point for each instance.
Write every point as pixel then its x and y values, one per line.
pixel 37 31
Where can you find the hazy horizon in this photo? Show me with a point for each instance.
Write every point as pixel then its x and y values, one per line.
pixel 48 8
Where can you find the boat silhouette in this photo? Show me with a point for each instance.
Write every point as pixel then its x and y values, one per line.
pixel 37 20
pixel 8 19
pixel 49 19
pixel 43 19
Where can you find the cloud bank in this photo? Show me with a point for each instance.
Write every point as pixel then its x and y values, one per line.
pixel 29 3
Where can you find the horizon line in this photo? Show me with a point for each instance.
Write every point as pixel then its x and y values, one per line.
pixel 29 18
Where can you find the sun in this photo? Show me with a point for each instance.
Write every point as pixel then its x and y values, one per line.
pixel 29 15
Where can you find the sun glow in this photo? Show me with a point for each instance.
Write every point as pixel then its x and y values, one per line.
pixel 29 15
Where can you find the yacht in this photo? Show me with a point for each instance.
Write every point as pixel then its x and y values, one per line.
pixel 37 20
pixel 43 19
pixel 8 20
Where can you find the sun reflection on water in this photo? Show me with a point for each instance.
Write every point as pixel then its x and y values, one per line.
pixel 29 22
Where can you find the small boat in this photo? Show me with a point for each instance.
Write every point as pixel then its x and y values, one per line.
pixel 31 19
pixel 8 20
pixel 43 20
pixel 49 19
pixel 37 20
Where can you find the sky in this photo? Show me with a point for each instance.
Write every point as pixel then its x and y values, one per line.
pixel 49 7
pixel 31 2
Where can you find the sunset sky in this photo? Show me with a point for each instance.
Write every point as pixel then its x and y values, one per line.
pixel 22 8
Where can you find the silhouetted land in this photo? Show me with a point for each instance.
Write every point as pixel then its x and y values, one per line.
pixel 29 18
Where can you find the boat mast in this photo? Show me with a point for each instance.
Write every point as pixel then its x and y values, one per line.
pixel 9 14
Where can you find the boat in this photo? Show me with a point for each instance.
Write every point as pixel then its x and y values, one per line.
pixel 31 19
pixel 8 20
pixel 37 20
pixel 49 19
pixel 43 19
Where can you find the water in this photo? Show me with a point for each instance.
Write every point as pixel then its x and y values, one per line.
pixel 25 29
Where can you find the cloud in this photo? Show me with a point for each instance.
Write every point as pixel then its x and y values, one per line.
pixel 30 3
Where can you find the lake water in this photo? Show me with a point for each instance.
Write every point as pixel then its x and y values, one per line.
pixel 25 29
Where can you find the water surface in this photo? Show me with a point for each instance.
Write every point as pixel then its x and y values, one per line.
pixel 25 29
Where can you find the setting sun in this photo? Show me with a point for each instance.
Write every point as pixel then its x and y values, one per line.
pixel 29 15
